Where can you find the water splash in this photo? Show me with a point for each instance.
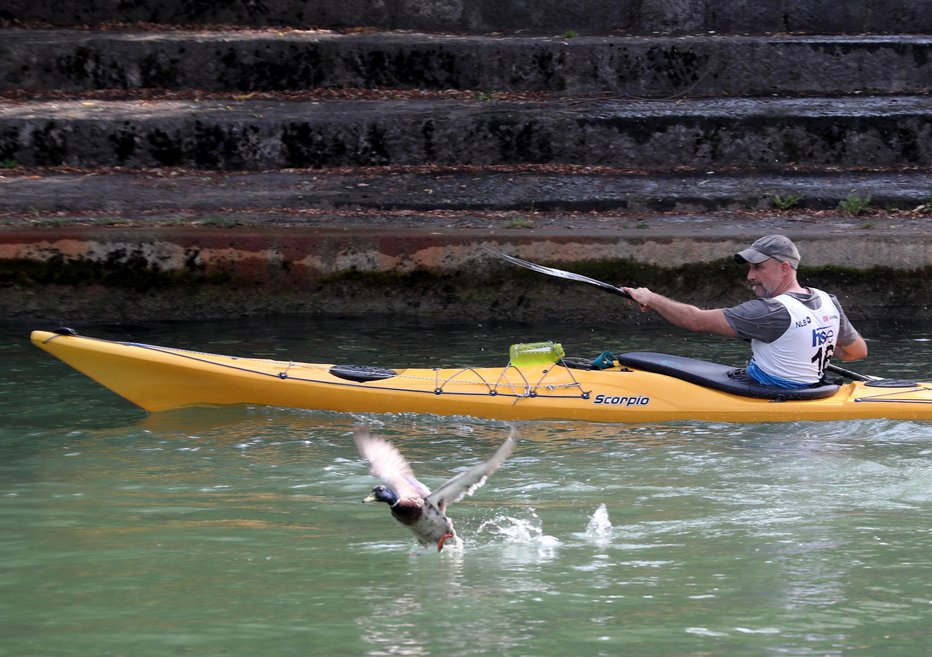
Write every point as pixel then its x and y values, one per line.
pixel 599 528
pixel 524 538
pixel 518 530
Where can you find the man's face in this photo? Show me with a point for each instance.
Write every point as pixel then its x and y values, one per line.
pixel 766 277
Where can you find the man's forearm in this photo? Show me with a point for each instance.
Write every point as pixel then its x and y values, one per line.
pixel 682 314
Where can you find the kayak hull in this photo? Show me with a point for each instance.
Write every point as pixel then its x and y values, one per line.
pixel 160 378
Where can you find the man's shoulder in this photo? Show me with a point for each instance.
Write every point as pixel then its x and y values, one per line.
pixel 812 298
pixel 762 319
pixel 759 307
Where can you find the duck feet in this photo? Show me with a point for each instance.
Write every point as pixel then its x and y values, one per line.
pixel 443 540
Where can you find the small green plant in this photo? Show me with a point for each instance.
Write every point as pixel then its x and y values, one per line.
pixel 855 204
pixel 570 34
pixel 8 164
pixel 786 202
pixel 519 222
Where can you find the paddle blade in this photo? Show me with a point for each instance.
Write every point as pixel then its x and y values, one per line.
pixel 559 273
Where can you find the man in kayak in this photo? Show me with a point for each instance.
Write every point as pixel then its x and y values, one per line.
pixel 794 330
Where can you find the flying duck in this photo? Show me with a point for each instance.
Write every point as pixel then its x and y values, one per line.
pixel 411 502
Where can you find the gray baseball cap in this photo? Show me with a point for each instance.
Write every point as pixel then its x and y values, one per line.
pixel 777 247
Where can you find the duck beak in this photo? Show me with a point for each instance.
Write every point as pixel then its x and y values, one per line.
pixel 370 498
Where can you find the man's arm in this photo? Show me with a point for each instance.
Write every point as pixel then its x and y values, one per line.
pixel 854 347
pixel 683 315
pixel 853 351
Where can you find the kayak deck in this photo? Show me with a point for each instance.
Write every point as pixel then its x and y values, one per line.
pixel 161 378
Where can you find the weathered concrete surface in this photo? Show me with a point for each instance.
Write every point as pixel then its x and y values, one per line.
pixel 120 274
pixel 762 132
pixel 224 196
pixel 480 16
pixel 291 242
pixel 631 67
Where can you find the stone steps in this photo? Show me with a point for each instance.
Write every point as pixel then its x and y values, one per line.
pixel 655 133
pixel 770 133
pixel 483 16
pixel 625 67
pixel 464 190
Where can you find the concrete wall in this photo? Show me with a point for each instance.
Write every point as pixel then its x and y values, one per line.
pixel 114 274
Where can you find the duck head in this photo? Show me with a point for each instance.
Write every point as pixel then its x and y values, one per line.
pixel 382 494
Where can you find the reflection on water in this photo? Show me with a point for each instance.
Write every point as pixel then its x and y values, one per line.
pixel 226 531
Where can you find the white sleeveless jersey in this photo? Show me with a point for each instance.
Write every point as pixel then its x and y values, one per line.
pixel 803 351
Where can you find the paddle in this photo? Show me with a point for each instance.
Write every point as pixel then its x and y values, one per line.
pixel 559 273
pixel 852 375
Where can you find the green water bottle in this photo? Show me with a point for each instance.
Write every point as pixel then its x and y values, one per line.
pixel 535 353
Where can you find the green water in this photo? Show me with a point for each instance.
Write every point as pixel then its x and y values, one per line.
pixel 240 532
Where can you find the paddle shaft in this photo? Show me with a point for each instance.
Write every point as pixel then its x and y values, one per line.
pixel 851 375
pixel 560 273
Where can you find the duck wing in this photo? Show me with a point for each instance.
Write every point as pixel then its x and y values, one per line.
pixel 468 481
pixel 387 463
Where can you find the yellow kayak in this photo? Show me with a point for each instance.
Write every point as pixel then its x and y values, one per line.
pixel 634 387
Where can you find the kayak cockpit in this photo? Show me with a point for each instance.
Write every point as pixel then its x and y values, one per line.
pixel 718 377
